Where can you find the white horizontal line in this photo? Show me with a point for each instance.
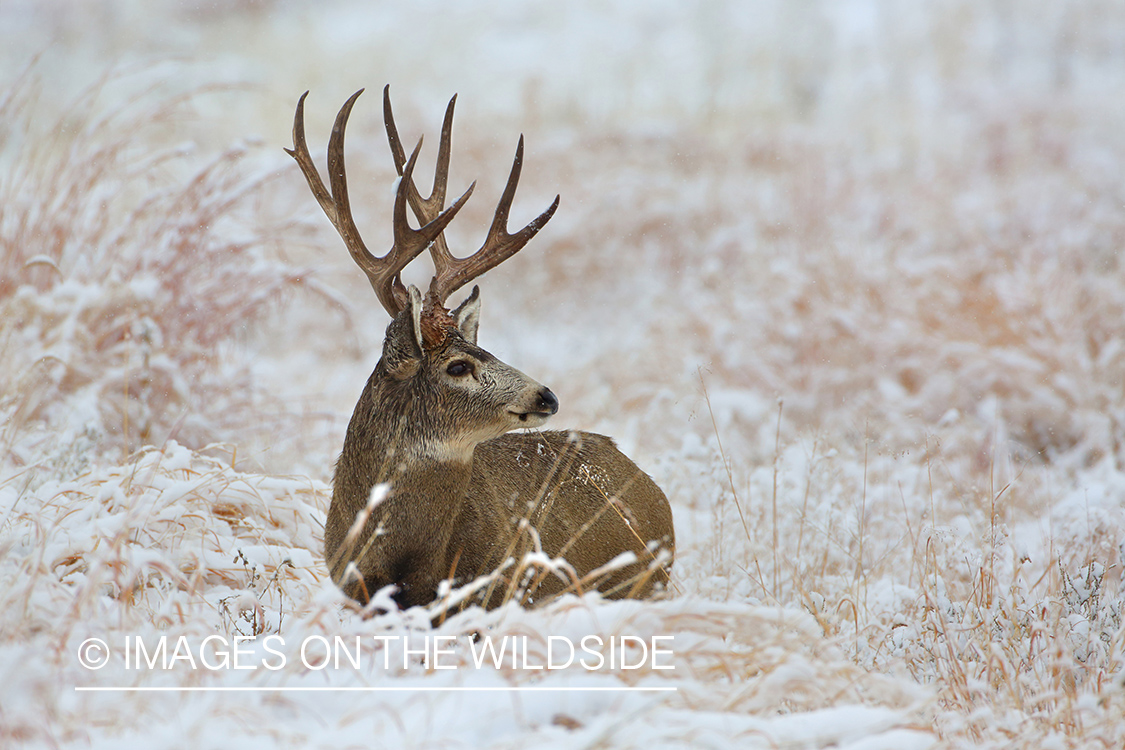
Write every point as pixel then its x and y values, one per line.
pixel 405 689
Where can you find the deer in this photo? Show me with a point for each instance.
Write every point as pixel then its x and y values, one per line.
pixel 434 498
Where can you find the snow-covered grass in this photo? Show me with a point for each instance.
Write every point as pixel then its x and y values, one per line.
pixel 845 278
pixel 128 261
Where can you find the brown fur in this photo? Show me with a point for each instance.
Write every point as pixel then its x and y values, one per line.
pixel 459 509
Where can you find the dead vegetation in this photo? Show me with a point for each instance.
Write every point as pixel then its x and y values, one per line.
pixel 127 264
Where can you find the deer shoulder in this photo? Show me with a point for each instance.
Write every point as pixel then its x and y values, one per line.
pixel 432 485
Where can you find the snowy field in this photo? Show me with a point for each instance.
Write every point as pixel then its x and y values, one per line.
pixel 845 278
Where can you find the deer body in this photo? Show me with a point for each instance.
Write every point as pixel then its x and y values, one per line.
pixel 431 485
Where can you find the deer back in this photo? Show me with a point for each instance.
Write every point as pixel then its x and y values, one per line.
pixel 574 497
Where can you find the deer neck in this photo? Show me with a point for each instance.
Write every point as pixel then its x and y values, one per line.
pixel 388 441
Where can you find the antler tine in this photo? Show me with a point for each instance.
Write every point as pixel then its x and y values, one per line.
pixel 453 273
pixel 300 152
pixel 424 208
pixel 409 243
pixel 382 273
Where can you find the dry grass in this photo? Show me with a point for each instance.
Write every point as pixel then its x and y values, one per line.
pixel 126 266
pixel 178 544
pixel 787 267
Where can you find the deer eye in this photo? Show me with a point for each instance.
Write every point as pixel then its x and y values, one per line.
pixel 459 368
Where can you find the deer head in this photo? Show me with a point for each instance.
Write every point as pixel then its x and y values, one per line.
pixel 427 346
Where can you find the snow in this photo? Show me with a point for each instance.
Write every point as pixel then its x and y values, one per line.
pixel 845 278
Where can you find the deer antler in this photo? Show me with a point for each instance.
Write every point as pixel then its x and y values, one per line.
pixel 383 273
pixel 453 273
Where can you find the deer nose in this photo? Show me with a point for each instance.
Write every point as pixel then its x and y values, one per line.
pixel 548 402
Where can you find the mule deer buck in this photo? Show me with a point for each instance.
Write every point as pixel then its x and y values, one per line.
pixel 430 486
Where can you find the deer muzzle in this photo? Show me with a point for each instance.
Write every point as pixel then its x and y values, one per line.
pixel 544 405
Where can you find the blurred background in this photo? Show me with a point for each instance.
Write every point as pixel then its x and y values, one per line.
pixel 885 213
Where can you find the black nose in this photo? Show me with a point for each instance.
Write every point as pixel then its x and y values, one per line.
pixel 547 401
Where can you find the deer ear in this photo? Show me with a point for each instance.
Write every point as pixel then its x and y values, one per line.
pixel 402 348
pixel 467 316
